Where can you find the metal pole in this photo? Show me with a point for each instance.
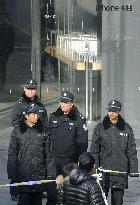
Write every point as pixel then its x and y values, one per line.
pixel 86 75
pixel 36 48
pixel 58 35
pixel 59 75
pixel 91 93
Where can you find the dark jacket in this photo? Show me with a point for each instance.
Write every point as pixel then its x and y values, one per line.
pixel 80 189
pixel 20 107
pixel 113 147
pixel 27 154
pixel 69 135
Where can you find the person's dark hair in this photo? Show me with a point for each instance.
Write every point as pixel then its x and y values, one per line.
pixel 86 162
pixel 68 168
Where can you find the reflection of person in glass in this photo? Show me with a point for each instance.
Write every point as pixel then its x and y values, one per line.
pixel 7 38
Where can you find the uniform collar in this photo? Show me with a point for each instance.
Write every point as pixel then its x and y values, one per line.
pixel 38 126
pixel 36 98
pixel 72 114
pixel 120 123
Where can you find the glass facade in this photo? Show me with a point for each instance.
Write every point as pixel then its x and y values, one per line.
pixel 71 57
pixel 15 41
pixel 89 47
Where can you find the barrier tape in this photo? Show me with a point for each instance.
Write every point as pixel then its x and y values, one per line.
pixel 110 171
pixel 118 172
pixel 29 183
pixel 98 175
pixel 98 179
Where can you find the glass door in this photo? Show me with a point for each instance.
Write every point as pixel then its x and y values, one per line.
pixel 70 51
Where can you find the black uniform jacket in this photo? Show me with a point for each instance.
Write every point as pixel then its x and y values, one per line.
pixel 20 107
pixel 69 134
pixel 80 189
pixel 27 154
pixel 113 147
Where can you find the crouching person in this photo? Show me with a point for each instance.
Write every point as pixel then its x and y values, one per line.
pixel 80 187
pixel 27 156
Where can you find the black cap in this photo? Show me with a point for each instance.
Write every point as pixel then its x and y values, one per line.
pixel 30 83
pixel 114 106
pixel 32 108
pixel 67 96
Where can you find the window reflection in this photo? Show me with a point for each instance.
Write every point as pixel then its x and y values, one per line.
pixel 15 48
pixel 72 61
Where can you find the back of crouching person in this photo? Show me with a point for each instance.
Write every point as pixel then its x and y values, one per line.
pixel 80 188
pixel 27 156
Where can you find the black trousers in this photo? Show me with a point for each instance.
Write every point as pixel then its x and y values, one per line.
pixel 59 163
pixel 116 193
pixel 51 193
pixel 116 196
pixel 29 198
pixel 13 189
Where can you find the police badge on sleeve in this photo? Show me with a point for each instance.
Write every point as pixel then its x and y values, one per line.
pixel 85 127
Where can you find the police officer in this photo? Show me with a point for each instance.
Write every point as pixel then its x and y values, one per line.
pixel 113 146
pixel 29 95
pixel 27 155
pixel 68 135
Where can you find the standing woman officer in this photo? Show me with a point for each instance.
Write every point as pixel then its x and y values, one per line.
pixel 114 148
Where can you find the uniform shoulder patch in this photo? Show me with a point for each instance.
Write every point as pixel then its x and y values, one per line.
pixel 20 100
pixel 81 116
pixel 85 127
pixel 55 121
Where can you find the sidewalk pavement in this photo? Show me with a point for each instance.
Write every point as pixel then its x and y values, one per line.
pixel 131 197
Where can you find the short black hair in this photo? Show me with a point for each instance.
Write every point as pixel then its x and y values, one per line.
pixel 68 168
pixel 86 162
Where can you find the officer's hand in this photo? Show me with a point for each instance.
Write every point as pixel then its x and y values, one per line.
pixel 59 180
